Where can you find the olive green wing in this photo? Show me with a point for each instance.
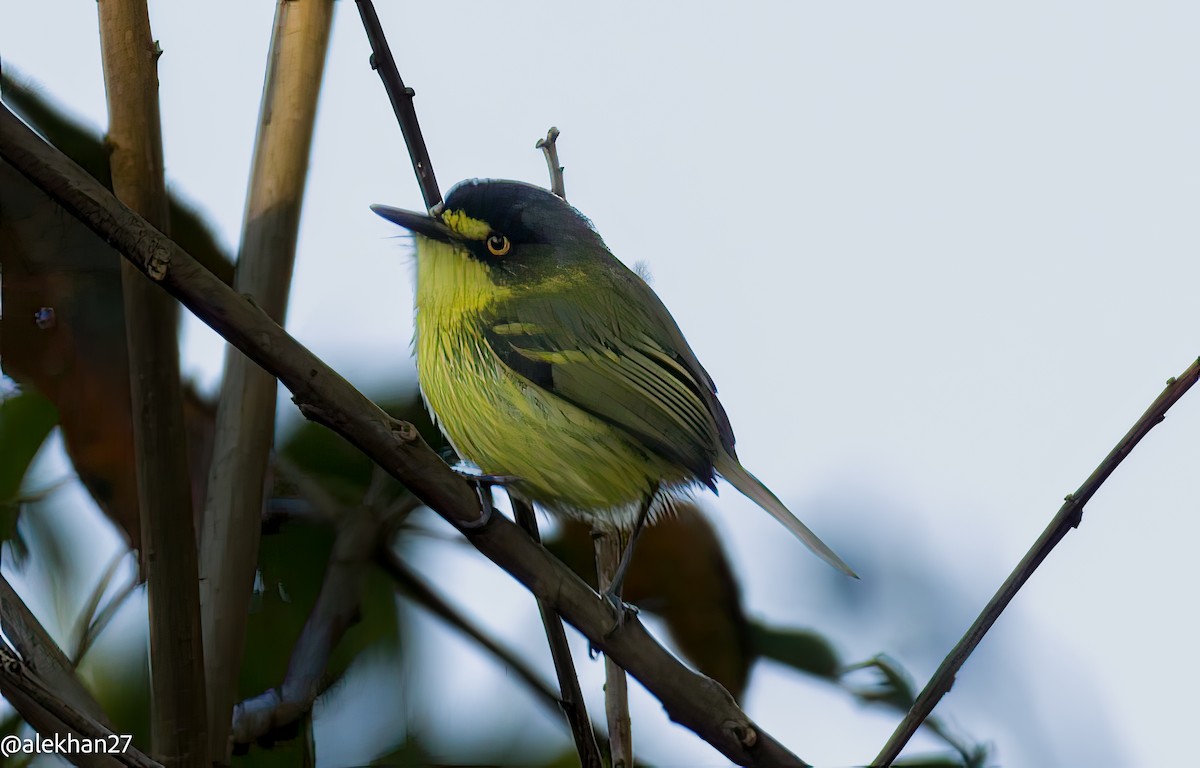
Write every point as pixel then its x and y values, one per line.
pixel 612 350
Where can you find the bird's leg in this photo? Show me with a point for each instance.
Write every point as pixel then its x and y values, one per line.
pixel 489 480
pixel 618 580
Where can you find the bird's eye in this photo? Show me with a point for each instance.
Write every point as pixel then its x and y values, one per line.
pixel 498 245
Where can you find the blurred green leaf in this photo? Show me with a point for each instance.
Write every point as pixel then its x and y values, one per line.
pixel 25 422
pixel 892 685
pixel 800 649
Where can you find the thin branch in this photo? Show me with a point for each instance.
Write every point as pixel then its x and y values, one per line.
pixel 616 686
pixel 413 586
pixel 245 422
pixel 88 614
pixel 408 583
pixel 338 607
pixel 168 534
pixel 401 97
pixel 102 619
pixel 691 699
pixel 549 147
pixel 572 704
pixel 1069 516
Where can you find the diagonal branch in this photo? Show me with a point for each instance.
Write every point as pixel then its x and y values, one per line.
pixel 691 699
pixel 1069 516
pixel 409 584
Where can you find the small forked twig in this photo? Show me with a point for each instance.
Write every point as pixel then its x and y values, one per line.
pixel 549 148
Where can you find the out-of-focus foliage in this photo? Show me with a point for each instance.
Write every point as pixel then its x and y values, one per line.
pixel 63 330
pixel 25 423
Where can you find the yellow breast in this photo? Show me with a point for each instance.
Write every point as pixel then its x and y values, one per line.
pixel 565 458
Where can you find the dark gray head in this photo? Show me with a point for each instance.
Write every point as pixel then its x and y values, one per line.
pixel 503 222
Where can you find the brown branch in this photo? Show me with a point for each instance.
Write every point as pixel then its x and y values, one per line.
pixel 572 704
pixel 691 699
pixel 337 609
pixel 401 97
pixel 278 711
pixel 168 534
pixel 245 422
pixel 1069 516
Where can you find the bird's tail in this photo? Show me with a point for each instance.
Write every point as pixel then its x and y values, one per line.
pixel 730 469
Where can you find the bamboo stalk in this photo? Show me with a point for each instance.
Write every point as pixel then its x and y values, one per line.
pixel 168 535
pixel 245 426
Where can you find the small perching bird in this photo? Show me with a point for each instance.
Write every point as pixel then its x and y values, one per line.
pixel 546 360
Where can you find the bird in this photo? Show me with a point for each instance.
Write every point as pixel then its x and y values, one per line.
pixel 546 361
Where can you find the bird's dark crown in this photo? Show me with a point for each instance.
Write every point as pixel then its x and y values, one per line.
pixel 524 213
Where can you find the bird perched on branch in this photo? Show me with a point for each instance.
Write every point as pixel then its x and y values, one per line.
pixel 545 360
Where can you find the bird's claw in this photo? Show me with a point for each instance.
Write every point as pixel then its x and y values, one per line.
pixel 485 480
pixel 620 610
pixel 483 485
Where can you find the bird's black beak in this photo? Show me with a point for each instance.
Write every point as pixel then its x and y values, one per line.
pixel 418 223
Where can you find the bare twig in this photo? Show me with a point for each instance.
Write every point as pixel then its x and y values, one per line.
pixel 337 609
pixel 245 423
pixel 549 147
pixel 87 614
pixel 691 699
pixel 1069 516
pixel 413 586
pixel 168 534
pixel 401 98
pixel 102 619
pixel 616 686
pixel 572 703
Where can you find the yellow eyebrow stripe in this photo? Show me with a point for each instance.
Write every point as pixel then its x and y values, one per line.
pixel 465 226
